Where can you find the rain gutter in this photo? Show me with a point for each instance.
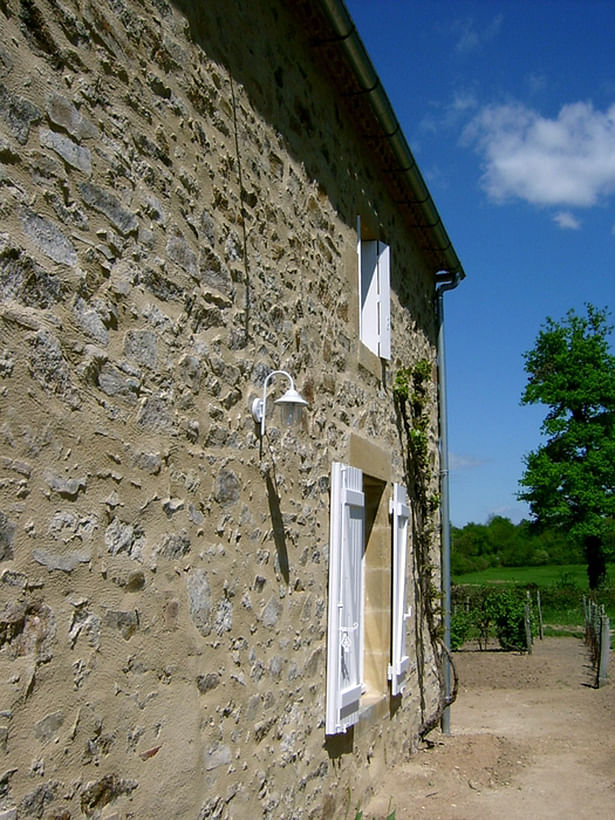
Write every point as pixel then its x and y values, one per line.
pixel 348 40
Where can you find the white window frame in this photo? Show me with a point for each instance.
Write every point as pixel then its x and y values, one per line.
pixel 401 613
pixel 374 262
pixel 346 599
pixel 346 603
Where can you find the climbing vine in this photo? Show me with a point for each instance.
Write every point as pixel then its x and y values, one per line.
pixel 413 403
pixel 411 391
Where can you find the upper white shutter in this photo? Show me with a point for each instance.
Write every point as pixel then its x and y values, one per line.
pixel 384 301
pixel 345 613
pixel 375 292
pixel 370 311
pixel 400 512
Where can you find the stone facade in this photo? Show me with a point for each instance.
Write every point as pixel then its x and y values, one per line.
pixel 179 190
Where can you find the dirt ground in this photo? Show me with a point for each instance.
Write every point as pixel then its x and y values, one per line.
pixel 530 738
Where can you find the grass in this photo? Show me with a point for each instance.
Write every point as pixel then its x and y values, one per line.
pixel 569 631
pixel 541 576
pixel 561 591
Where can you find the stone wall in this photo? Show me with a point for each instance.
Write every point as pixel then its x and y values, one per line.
pixel 179 189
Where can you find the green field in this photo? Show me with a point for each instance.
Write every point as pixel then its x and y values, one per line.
pixel 541 576
pixel 561 590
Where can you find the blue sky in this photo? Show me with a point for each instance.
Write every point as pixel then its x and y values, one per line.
pixel 509 109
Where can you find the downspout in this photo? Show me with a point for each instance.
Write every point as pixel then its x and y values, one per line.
pixel 445 281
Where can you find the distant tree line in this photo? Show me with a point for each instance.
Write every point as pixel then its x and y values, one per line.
pixel 500 543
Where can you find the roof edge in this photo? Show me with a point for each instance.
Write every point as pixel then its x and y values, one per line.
pixel 356 54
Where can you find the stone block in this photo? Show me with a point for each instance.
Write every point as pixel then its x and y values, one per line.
pixel 64 562
pixel 154 415
pixel 46 728
pixel 141 345
pixel 24 280
pixel 174 545
pixel 110 206
pixel 91 321
pixel 126 623
pixel 99 793
pixel 77 156
pixel 180 252
pixel 18 113
pixel 65 115
pixel 227 488
pixel 200 601
pixel 124 537
pixel 49 238
pixel 217 755
pixel 49 368
pixel 206 683
pixel 7 536
pixel 65 487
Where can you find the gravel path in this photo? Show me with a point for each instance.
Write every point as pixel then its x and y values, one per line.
pixel 530 738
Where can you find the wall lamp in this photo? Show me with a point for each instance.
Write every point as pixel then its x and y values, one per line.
pixel 291 403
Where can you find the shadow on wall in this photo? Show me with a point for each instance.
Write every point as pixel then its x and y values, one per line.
pixel 338 745
pixel 279 535
pixel 277 86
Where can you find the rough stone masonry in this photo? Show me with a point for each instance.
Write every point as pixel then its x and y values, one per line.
pixel 179 187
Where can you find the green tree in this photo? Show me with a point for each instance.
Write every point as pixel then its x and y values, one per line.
pixel 507 545
pixel 475 547
pixel 569 481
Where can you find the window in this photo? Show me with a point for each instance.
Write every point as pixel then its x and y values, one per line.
pixel 375 294
pixel 400 513
pixel 367 594
pixel 345 617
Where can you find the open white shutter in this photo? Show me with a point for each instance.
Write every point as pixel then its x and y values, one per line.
pixel 400 512
pixel 375 285
pixel 368 278
pixel 345 598
pixel 384 300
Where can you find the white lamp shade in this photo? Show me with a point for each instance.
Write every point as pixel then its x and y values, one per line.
pixel 291 405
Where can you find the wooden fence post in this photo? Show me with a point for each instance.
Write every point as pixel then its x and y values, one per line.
pixel 594 644
pixel 605 647
pixel 528 626
pixel 539 607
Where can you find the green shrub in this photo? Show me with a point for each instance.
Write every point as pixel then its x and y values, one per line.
pixel 509 620
pixel 487 611
pixel 482 613
pixel 462 626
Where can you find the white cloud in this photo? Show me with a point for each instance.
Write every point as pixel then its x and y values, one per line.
pixel 464 101
pixel 450 115
pixel 567 161
pixel 457 462
pixel 469 38
pixel 567 221
pixel 536 83
pixel 514 512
